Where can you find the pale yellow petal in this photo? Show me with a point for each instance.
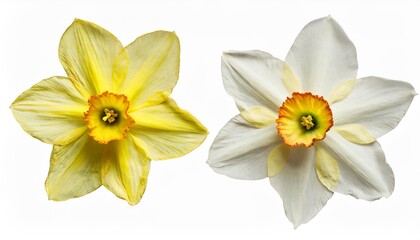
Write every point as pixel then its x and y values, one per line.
pixel 290 81
pixel 125 170
pixel 166 131
pixel 341 91
pixel 153 66
pixel 74 169
pixel 88 53
pixel 355 133
pixel 259 117
pixel 326 168
pixel 52 111
pixel 277 159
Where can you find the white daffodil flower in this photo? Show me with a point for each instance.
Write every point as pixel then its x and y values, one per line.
pixel 307 123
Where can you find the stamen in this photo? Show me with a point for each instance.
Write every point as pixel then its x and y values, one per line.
pixel 307 122
pixel 110 115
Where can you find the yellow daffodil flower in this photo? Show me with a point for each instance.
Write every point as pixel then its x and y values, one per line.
pixel 111 115
pixel 307 123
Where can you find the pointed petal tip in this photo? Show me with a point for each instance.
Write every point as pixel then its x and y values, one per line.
pixel 328 19
pixel 228 53
pixel 79 21
pixel 133 202
pixel 170 33
pixel 296 225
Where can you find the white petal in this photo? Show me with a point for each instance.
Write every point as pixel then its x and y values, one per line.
pixel 375 103
pixel 302 193
pixel 363 170
pixel 322 56
pixel 241 151
pixel 253 78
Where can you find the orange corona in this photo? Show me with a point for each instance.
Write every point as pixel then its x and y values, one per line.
pixel 303 119
pixel 107 117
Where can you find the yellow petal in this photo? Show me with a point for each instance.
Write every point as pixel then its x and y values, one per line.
pixel 290 80
pixel 259 117
pixel 277 159
pixel 74 169
pixel 166 131
pixel 52 111
pixel 355 133
pixel 341 91
pixel 153 66
pixel 87 53
pixel 125 170
pixel 326 168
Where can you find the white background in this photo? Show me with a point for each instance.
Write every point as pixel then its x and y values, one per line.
pixel 185 199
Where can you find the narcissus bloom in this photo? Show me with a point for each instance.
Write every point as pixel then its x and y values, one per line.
pixel 111 115
pixel 307 123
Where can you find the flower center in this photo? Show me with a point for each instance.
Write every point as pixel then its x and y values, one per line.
pixel 110 115
pixel 107 117
pixel 307 122
pixel 303 119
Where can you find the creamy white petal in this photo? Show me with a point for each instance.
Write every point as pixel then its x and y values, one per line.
pixel 241 151
pixel 290 80
pixel 341 91
pixel 326 168
pixel 278 158
pixel 363 171
pixel 52 111
pixel 354 133
pixel 259 117
pixel 377 104
pixel 322 56
pixel 253 78
pixel 75 169
pixel 302 193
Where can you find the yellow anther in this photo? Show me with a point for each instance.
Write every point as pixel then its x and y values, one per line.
pixel 110 115
pixel 307 122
